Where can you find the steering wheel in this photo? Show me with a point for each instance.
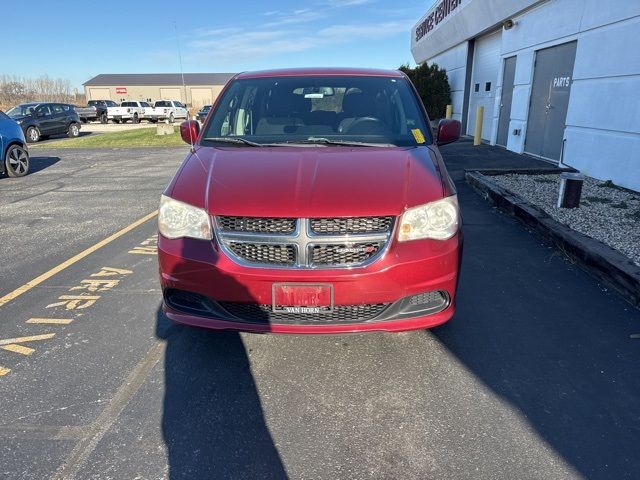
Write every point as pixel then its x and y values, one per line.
pixel 366 125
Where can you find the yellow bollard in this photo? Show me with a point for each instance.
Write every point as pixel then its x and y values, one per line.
pixel 449 113
pixel 477 139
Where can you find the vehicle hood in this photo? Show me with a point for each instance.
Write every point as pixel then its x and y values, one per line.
pixel 315 181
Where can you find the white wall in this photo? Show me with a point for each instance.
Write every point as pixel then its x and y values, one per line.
pixel 602 135
pixel 470 19
pixel 603 120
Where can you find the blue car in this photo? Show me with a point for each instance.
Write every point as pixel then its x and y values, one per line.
pixel 14 155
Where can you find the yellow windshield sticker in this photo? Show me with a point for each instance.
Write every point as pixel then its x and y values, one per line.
pixel 417 134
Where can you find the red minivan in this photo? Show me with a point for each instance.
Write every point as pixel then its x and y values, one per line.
pixel 312 201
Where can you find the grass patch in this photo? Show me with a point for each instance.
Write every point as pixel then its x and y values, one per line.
pixel 597 199
pixel 634 215
pixel 622 205
pixel 142 137
pixel 544 180
pixel 610 184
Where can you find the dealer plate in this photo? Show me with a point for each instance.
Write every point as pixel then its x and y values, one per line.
pixel 302 298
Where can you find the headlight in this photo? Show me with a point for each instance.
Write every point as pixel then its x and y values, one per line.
pixel 178 219
pixel 438 220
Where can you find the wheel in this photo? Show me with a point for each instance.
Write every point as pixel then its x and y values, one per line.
pixel 124 120
pixel 135 118
pixel 116 121
pixel 74 131
pixel 103 118
pixel 17 161
pixel 171 118
pixel 33 135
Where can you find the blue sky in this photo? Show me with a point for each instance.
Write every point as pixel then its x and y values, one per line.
pixel 78 39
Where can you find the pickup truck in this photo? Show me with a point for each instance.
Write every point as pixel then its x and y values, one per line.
pixel 167 110
pixel 93 111
pixel 131 110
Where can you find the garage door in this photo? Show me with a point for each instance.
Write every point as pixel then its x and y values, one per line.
pixel 170 94
pixel 99 94
pixel 201 97
pixel 484 76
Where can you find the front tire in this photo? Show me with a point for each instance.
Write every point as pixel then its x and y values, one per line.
pixel 171 119
pixel 17 161
pixel 33 135
pixel 74 131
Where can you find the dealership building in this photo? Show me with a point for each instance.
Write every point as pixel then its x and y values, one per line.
pixel 199 88
pixel 558 79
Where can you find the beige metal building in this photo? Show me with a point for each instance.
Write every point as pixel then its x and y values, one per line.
pixel 199 88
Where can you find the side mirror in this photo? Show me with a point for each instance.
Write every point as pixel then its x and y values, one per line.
pixel 189 131
pixel 448 131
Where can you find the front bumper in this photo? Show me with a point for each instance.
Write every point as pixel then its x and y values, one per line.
pixel 407 269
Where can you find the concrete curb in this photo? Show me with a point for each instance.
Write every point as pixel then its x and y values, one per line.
pixel 603 262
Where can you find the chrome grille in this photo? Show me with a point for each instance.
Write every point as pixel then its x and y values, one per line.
pixel 256 313
pixel 257 224
pixel 264 253
pixel 348 226
pixel 344 254
pixel 284 242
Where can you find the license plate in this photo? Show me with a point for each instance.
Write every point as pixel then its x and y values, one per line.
pixel 302 297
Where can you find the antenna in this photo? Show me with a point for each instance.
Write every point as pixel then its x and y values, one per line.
pixel 184 86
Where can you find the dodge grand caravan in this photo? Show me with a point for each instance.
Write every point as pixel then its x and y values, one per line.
pixel 312 201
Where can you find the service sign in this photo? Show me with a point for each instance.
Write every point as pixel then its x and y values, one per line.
pixel 121 90
pixel 437 14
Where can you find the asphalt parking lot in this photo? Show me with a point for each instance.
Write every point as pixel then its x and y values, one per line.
pixel 535 377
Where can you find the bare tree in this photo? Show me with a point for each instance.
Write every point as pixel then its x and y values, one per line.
pixel 15 90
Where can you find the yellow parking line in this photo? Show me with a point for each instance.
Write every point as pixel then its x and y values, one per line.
pixel 21 349
pixel 52 321
pixel 50 273
pixel 4 371
pixel 33 338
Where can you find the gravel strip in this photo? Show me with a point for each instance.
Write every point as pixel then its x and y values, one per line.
pixel 607 213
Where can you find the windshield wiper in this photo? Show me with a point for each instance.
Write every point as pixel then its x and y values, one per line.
pixel 345 143
pixel 236 140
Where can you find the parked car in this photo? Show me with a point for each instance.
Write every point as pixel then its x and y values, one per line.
pixel 102 103
pixel 92 112
pixel 167 110
pixel 313 201
pixel 39 120
pixel 202 114
pixel 14 154
pixel 130 110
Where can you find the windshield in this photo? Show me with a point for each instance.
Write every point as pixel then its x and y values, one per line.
pixel 163 104
pixel 378 110
pixel 129 104
pixel 22 110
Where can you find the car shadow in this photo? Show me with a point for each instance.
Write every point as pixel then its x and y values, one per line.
pixel 546 337
pixel 38 163
pixel 213 423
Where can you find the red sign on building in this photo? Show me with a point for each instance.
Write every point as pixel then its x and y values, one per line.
pixel 121 90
